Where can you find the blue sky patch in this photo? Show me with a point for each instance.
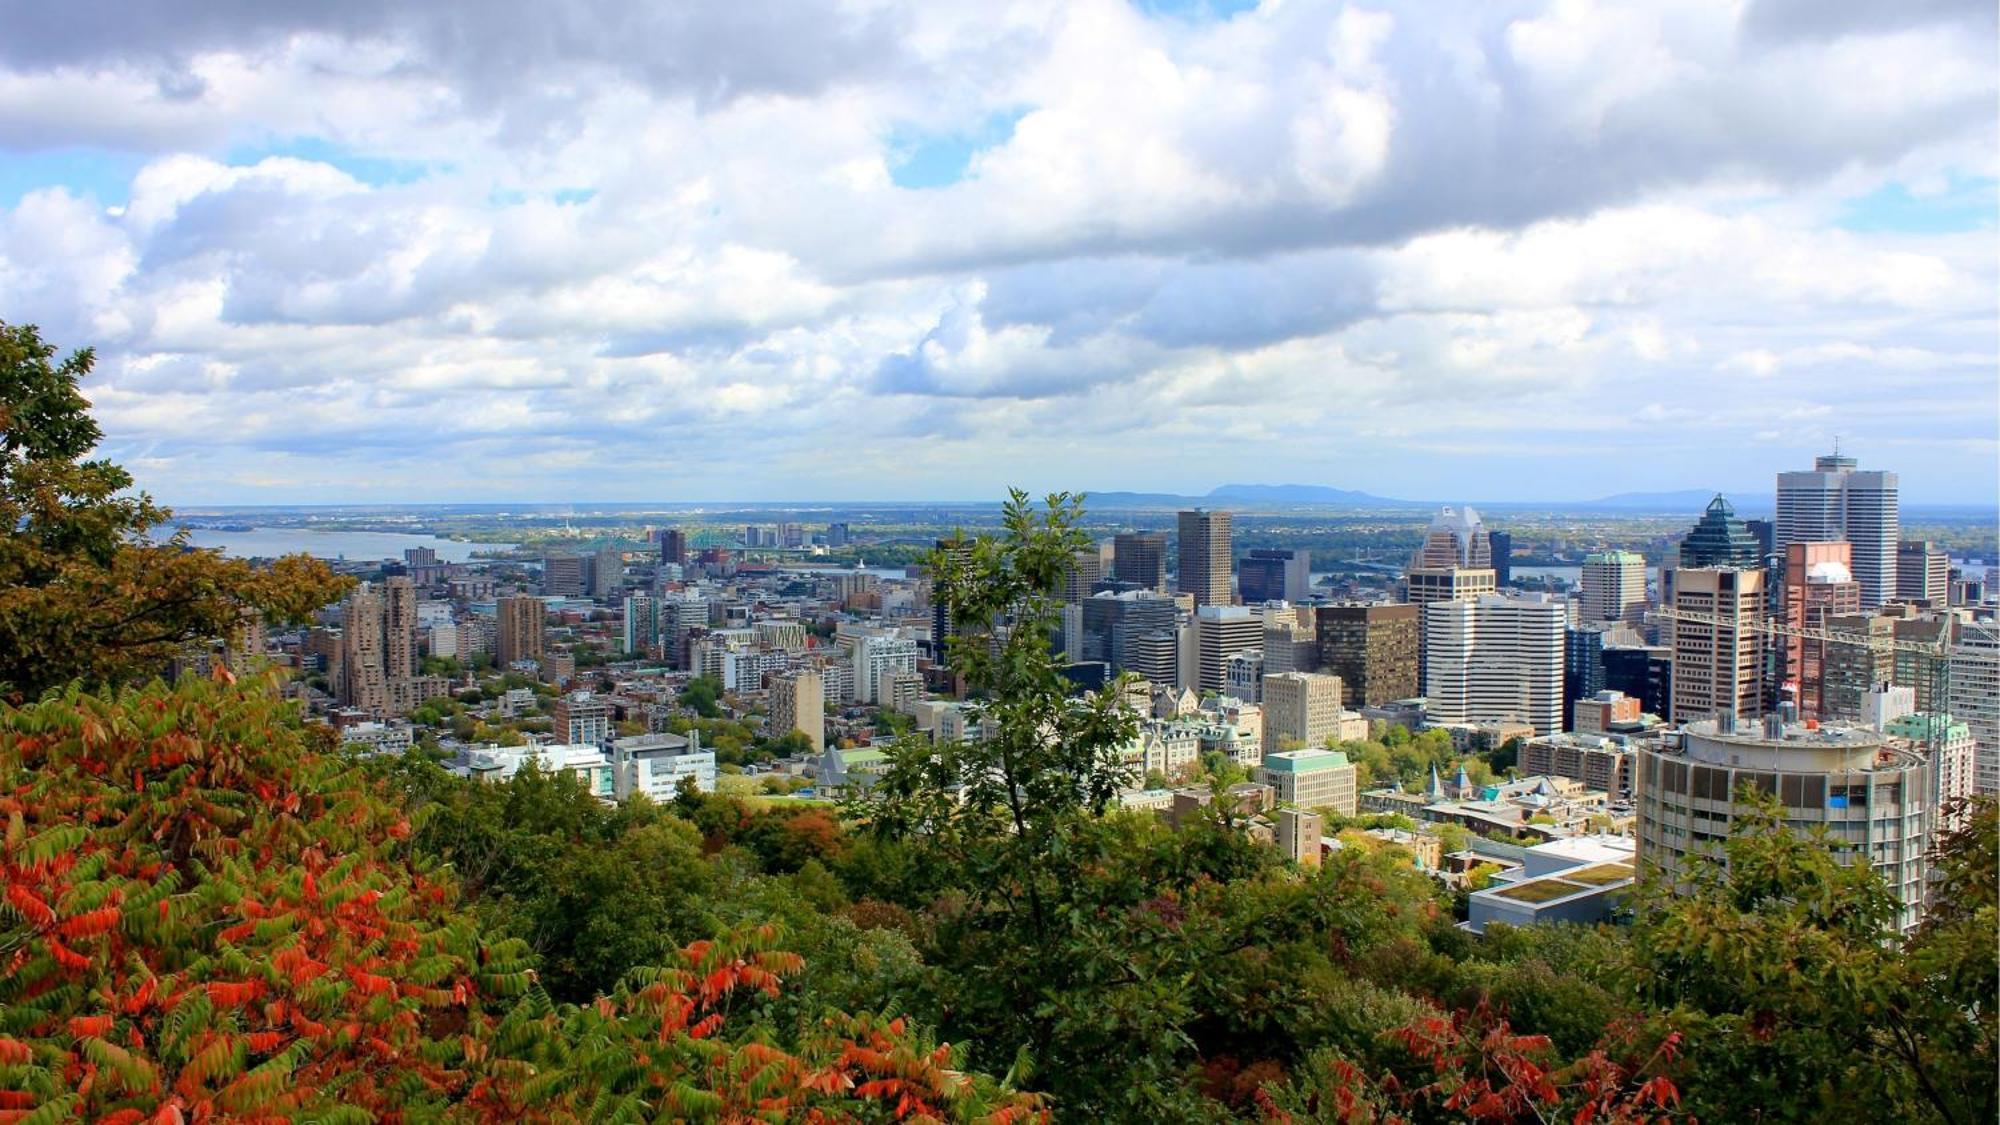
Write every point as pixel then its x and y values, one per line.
pixel 1195 11
pixel 375 171
pixel 1967 204
pixel 103 174
pixel 930 160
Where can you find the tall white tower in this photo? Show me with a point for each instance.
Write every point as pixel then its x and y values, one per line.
pixel 1833 502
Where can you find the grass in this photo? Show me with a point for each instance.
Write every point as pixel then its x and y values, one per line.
pixel 1539 890
pixel 1600 875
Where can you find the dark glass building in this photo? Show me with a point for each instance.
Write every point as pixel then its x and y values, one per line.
pixel 1719 539
pixel 1503 557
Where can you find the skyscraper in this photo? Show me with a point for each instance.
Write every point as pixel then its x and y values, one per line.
pixel 1372 648
pixel 641 625
pixel 563 576
pixel 607 572
pixel 364 679
pixel 1613 587
pixel 944 624
pixel 399 628
pixel 1204 557
pixel 1817 587
pixel 520 629
pixel 1125 631
pixel 1835 501
pixel 1273 574
pixel 1140 557
pixel 1923 572
pixel 674 546
pixel 1086 569
pixel 1717 666
pixel 1975 697
pixel 1719 539
pixel 1494 658
pixel 1455 561
pixel 1502 544
pixel 1220 632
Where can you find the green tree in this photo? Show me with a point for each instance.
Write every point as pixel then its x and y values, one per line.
pixel 1782 961
pixel 86 592
pixel 701 695
pixel 1009 822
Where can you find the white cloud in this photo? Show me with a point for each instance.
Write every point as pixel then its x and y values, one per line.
pixel 415 250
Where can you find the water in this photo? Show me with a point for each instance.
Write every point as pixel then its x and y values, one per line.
pixel 887 573
pixel 358 546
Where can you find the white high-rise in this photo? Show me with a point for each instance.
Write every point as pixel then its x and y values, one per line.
pixel 1835 502
pixel 1613 587
pixel 876 659
pixel 1494 658
pixel 1975 697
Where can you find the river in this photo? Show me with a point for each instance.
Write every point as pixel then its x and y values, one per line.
pixel 270 542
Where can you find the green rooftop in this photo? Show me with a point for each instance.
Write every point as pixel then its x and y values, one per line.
pixel 1304 761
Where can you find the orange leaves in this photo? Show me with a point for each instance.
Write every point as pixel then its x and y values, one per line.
pixel 70 960
pixel 88 1026
pixel 13 1052
pixel 90 923
pixel 235 994
pixel 371 984
pixel 30 906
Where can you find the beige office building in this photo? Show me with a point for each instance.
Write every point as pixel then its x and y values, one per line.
pixel 1717 668
pixel 1300 705
pixel 1311 779
pixel 1612 587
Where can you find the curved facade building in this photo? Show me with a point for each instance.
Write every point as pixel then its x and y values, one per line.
pixel 1876 798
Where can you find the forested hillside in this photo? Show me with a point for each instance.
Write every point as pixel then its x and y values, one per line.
pixel 212 913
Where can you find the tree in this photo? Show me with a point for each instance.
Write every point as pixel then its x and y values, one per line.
pixel 700 696
pixel 209 916
pixel 85 592
pixel 1782 961
pixel 1009 821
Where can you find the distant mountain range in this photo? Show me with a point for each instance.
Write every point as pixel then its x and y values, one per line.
pixel 1691 500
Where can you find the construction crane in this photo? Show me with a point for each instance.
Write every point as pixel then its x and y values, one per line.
pixel 1936 654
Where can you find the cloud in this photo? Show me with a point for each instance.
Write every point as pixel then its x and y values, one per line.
pixel 690 249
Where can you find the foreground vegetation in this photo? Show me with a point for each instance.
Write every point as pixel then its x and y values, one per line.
pixel 212 913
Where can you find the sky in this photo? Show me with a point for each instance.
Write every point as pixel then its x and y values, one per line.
pixel 589 250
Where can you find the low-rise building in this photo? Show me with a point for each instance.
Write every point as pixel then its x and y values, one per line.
pixel 587 762
pixel 655 764
pixel 1426 850
pixel 1298 835
pixel 1597 761
pixel 1579 880
pixel 378 738
pixel 1311 779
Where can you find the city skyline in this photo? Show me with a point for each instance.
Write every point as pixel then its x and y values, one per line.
pixel 368 255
